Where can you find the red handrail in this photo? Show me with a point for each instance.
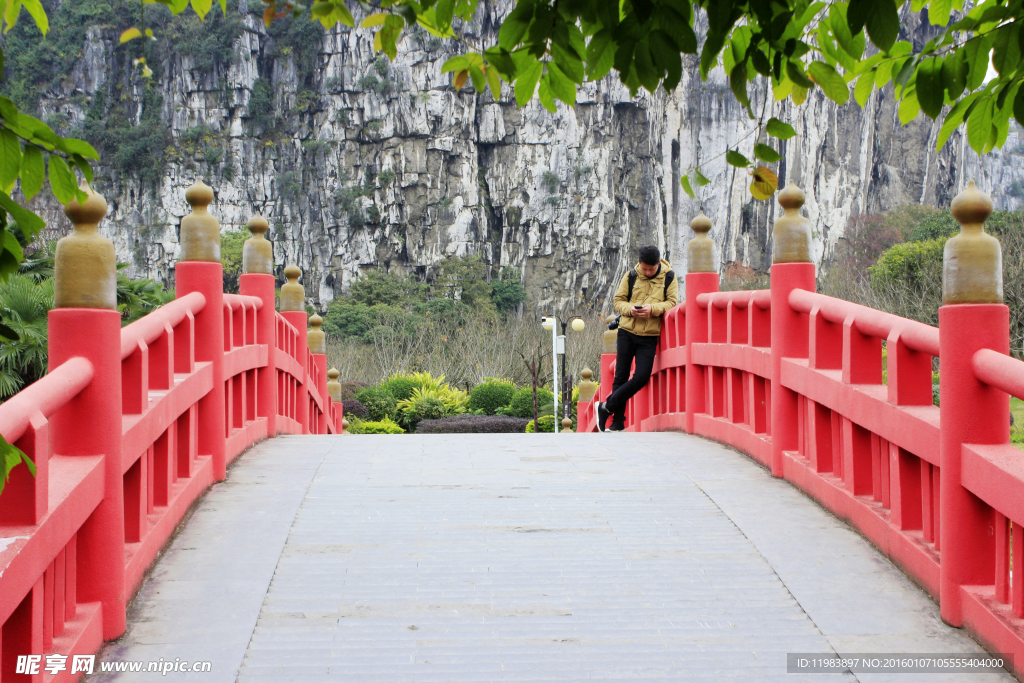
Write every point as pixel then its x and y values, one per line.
pixel 915 335
pixel 45 396
pixel 148 328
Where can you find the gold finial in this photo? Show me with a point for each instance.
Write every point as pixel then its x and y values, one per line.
pixel 333 385
pixel 791 239
pixel 344 425
pixel 293 295
pixel 258 252
pixel 316 338
pixel 972 261
pixel 85 266
pixel 587 387
pixel 567 425
pixel 611 338
pixel 200 232
pixel 700 252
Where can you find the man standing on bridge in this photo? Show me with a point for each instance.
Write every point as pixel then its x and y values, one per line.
pixel 645 294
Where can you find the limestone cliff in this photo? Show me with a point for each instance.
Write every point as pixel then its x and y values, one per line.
pixel 360 163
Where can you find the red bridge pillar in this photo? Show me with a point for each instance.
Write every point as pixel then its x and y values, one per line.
pixel 199 270
pixel 293 308
pixel 791 269
pixel 257 280
pixel 972 318
pixel 85 323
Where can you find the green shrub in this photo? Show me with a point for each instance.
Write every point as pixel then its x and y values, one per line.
pixel 385 426
pixel 422 407
pixel 547 424
pixel 400 386
pixel 472 424
pixel 491 395
pixel 522 403
pixel 379 402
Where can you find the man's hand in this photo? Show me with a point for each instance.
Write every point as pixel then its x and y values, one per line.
pixel 642 312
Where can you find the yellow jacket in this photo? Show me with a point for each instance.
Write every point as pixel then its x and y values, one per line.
pixel 646 291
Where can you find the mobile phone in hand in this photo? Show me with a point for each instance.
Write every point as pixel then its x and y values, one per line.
pixel 637 306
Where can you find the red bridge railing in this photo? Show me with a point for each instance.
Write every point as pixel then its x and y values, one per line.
pixel 128 429
pixel 837 398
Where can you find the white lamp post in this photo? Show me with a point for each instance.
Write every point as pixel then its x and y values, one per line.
pixel 550 323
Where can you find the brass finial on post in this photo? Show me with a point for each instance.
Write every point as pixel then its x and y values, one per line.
pixel 972 261
pixel 700 252
pixel 293 295
pixel 610 337
pixel 567 425
pixel 200 231
pixel 85 266
pixel 791 240
pixel 315 338
pixel 258 252
pixel 587 387
pixel 333 385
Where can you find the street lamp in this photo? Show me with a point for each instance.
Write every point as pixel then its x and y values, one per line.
pixel 558 348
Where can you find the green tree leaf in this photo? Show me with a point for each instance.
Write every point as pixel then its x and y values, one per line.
pixel 687 188
pixel 883 23
pixel 129 34
pixel 930 91
pixel 829 80
pixel 29 223
pixel 766 153
pixel 33 171
pixel 600 55
pixel 526 81
pixel 10 159
pixel 62 180
pixel 734 158
pixel 979 125
pixel 779 129
pixel 865 86
pixel 202 7
pixel 561 85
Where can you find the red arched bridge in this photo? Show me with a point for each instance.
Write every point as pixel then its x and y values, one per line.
pixel 519 557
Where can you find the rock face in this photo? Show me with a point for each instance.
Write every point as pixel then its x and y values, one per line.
pixel 360 163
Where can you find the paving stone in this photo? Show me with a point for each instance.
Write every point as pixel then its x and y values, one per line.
pixel 519 558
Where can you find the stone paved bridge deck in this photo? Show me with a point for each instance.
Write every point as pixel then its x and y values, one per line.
pixel 518 558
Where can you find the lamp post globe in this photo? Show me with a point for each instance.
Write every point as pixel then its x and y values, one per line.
pixel 578 325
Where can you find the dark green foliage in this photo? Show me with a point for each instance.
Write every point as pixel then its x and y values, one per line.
pixel 355 320
pixel 464 279
pixel 231 244
pixel 508 291
pixel 136 298
pixel 261 105
pixel 350 389
pixel 379 402
pixel 522 403
pixel 24 305
pixel 391 289
pixel 354 408
pixel 135 150
pixel 546 422
pixel 473 424
pixel 210 42
pixel 491 395
pixel 400 387
pixel 940 224
pixel 299 37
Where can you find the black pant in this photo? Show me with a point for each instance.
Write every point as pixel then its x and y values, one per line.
pixel 630 346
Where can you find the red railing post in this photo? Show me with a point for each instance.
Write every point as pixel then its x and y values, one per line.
pixel 85 323
pixel 257 280
pixel 791 269
pixel 317 341
pixel 971 318
pixel 293 308
pixel 199 270
pixel 701 278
